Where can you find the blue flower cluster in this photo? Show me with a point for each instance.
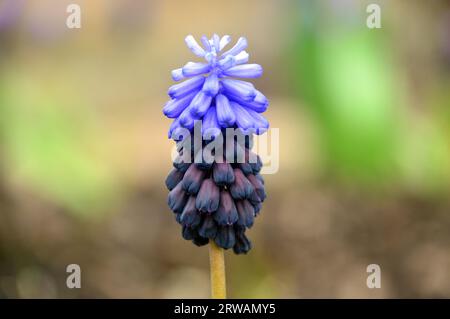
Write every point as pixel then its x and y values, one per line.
pixel 210 94
pixel 219 200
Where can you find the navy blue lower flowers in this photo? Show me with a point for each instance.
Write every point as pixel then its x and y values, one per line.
pixel 218 202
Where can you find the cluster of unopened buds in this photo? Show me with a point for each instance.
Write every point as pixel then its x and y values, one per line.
pixel 216 190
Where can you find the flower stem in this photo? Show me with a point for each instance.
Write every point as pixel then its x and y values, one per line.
pixel 217 268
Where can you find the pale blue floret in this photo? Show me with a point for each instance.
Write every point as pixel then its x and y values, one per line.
pixel 182 89
pixel 210 94
pixel 225 115
pixel 245 71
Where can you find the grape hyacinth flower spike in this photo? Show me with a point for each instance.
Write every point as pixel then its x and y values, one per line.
pixel 216 201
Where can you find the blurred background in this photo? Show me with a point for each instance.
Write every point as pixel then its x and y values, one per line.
pixel 364 123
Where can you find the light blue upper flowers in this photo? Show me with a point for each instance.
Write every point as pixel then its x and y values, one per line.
pixel 209 92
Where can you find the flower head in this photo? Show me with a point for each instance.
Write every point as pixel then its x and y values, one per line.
pixel 211 93
pixel 216 200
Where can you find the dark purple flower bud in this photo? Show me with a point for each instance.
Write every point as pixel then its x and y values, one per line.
pixel 178 218
pixel 187 232
pixel 257 207
pixel 241 188
pixel 223 174
pixel 258 186
pixel 192 179
pixel 190 216
pixel 174 177
pixel 225 237
pixel 246 213
pixel 246 168
pixel 200 241
pixel 261 179
pixel 177 199
pixel 180 165
pixel 243 244
pixel 208 197
pixel 254 199
pixel 226 214
pixel 208 229
pixel 256 165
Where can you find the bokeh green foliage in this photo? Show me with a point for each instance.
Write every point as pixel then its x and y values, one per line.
pixel 346 75
pixel 46 146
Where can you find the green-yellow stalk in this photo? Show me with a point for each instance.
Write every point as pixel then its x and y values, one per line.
pixel 217 269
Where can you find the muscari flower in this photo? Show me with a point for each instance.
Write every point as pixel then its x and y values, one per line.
pixel 211 92
pixel 216 200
